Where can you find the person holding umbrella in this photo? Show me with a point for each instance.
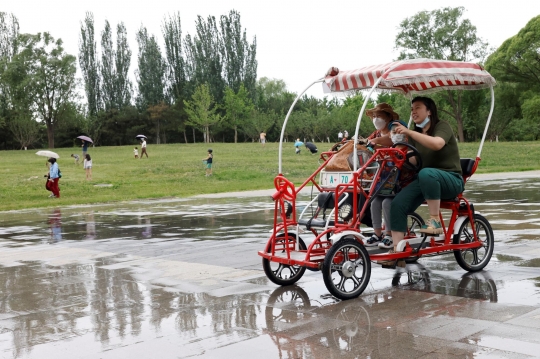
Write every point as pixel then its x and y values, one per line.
pixel 142 138
pixel 84 148
pixel 54 177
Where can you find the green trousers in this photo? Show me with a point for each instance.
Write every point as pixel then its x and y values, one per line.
pixel 430 183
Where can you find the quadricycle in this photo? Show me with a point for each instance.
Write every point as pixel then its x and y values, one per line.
pixel 337 216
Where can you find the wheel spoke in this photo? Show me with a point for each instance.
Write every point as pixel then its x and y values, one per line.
pixel 475 257
pixel 278 271
pixel 336 267
pixel 356 281
pixel 341 284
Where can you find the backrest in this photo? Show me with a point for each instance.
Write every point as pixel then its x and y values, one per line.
pixel 467 165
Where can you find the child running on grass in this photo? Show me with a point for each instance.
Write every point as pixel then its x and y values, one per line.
pixel 208 160
pixel 136 152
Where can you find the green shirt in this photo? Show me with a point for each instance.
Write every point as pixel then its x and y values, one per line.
pixel 445 159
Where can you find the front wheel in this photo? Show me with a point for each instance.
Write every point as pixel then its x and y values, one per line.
pixel 346 269
pixel 279 273
pixel 474 259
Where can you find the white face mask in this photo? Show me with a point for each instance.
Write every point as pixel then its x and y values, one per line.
pixel 397 137
pixel 379 123
pixel 423 123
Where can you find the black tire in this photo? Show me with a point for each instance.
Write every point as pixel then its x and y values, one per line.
pixel 340 267
pixel 476 259
pixel 283 274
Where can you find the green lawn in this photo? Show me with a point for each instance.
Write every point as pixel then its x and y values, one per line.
pixel 177 171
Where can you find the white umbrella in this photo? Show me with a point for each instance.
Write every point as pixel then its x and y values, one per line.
pixel 140 136
pixel 47 154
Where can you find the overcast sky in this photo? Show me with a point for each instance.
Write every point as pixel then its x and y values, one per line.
pixel 296 40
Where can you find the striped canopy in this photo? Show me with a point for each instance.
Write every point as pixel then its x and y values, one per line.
pixel 410 76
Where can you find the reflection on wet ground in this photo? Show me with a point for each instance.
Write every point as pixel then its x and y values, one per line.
pixel 181 278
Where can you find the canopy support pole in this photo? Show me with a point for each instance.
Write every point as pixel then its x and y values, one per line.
pixel 488 121
pixel 287 119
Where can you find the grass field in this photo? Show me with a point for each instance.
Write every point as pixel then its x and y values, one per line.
pixel 176 170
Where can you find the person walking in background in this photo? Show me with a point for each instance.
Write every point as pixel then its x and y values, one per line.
pixel 208 160
pixel 345 134
pixel 54 177
pixel 263 138
pixel 88 167
pixel 136 152
pixel 143 148
pixel 340 136
pixel 84 148
pixel 76 157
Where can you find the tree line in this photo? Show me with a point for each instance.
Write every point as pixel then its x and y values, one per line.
pixel 204 86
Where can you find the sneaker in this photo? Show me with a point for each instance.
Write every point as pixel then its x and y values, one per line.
pixel 373 241
pixel 433 226
pixel 386 242
pixel 51 195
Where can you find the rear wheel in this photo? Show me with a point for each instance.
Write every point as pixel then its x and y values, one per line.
pixel 474 259
pixel 346 269
pixel 414 223
pixel 279 273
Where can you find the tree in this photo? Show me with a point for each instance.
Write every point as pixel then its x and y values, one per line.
pixel 89 63
pixel 258 122
pixel 107 68
pixel 151 71
pixel 175 63
pixel 203 58
pixel 9 32
pixel 115 62
pixel 200 112
pixel 158 113
pixel 517 59
pixel 239 57
pixel 442 34
pixel 122 84
pixel 25 129
pixel 237 108
pixel 50 77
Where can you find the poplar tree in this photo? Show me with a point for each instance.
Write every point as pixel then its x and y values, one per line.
pixel 203 57
pixel 122 85
pixel 151 71
pixel 107 68
pixel 239 56
pixel 175 63
pixel 89 63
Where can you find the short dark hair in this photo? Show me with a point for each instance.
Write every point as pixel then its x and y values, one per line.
pixel 434 117
pixel 88 158
pixel 209 150
pixel 52 160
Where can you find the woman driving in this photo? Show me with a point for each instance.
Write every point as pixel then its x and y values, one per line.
pixel 440 175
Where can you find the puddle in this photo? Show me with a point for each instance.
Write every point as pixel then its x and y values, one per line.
pixel 182 276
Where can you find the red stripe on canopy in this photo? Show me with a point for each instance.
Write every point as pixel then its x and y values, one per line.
pixel 413 76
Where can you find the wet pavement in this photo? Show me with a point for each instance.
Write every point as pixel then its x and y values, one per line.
pixel 182 279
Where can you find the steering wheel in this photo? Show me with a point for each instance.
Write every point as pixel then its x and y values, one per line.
pixel 414 153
